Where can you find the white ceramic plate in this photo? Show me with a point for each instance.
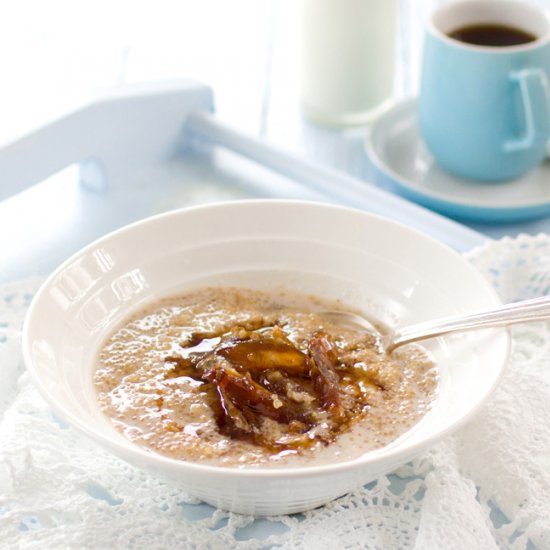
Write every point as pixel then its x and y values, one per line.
pixel 388 270
pixel 397 150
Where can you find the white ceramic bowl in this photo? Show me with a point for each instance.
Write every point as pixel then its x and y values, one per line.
pixel 393 272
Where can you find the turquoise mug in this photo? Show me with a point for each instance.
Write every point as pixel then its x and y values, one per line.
pixel 484 110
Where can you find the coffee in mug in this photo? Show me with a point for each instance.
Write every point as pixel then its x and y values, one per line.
pixel 484 105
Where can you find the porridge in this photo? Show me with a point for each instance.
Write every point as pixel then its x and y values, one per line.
pixel 240 377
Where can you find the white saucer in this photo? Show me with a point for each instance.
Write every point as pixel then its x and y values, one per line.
pixel 396 149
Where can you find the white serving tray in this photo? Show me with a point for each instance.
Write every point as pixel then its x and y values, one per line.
pixel 141 150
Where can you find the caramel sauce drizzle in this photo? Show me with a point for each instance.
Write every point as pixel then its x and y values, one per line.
pixel 252 381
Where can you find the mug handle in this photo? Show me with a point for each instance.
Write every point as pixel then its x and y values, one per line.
pixel 535 93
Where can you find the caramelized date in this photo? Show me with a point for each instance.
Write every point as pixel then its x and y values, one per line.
pixel 266 353
pixel 231 420
pixel 324 376
pixel 245 393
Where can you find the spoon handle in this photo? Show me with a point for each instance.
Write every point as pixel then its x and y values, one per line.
pixel 537 309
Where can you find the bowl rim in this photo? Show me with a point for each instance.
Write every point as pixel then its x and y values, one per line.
pixel 127 449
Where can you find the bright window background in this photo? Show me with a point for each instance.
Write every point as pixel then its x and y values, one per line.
pixel 55 53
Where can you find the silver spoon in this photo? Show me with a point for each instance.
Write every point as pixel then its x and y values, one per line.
pixel 536 309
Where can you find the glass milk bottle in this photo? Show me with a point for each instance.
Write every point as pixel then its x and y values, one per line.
pixel 347 59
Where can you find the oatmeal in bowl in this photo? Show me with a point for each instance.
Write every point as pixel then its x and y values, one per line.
pixel 193 345
pixel 235 377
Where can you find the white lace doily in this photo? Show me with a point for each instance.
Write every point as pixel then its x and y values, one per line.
pixel 486 487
